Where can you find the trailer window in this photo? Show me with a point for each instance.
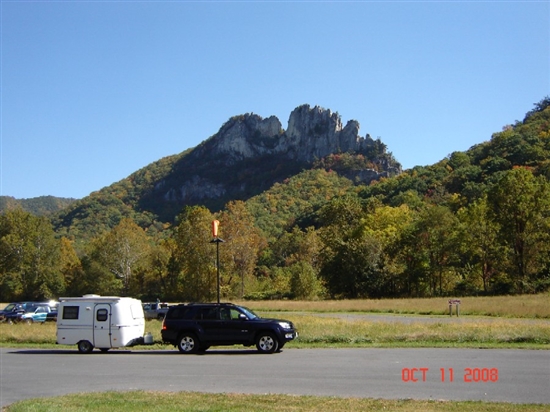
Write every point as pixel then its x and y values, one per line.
pixel 70 312
pixel 102 315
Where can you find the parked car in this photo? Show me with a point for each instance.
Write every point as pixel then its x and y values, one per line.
pixel 52 315
pixel 11 308
pixel 155 310
pixel 38 316
pixel 16 311
pixel 195 327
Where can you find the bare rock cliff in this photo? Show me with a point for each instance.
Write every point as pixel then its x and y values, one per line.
pixel 312 133
pixel 249 153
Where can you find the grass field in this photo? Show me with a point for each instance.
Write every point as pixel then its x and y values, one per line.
pixel 521 306
pixel 523 324
pixel 227 402
pixel 329 332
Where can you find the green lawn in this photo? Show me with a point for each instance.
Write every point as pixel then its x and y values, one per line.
pixel 192 401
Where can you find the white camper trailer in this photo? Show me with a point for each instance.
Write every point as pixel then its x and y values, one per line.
pixel 103 322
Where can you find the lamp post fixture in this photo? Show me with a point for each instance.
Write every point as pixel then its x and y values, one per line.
pixel 217 240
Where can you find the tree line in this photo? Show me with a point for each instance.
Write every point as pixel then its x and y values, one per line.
pixel 358 248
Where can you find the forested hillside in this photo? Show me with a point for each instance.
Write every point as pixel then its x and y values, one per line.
pixel 244 158
pixel 40 206
pixel 477 222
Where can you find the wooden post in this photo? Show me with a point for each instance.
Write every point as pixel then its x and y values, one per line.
pixel 454 302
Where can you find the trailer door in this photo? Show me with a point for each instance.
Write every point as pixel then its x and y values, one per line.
pixel 102 325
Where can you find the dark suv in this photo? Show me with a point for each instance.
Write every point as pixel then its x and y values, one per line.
pixel 195 327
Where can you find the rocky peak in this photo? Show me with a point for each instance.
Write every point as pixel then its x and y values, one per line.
pixel 249 154
pixel 312 133
pixel 317 132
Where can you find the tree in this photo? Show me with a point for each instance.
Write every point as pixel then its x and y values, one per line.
pixel 70 266
pixel 480 243
pixel 194 256
pixel 352 270
pixel 29 257
pixel 430 249
pixel 240 250
pixel 159 281
pixel 520 203
pixel 122 250
pixel 387 225
pixel 304 283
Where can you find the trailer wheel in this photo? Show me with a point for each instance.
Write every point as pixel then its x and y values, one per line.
pixel 85 347
pixel 188 343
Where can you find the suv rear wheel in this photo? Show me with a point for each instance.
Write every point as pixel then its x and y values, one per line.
pixel 188 343
pixel 266 342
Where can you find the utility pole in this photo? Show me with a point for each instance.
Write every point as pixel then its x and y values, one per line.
pixel 217 240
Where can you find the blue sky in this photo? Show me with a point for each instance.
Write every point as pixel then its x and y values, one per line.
pixel 92 91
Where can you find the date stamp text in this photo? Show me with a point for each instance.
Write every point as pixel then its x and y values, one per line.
pixel 450 375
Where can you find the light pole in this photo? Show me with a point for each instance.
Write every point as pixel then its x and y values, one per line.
pixel 217 240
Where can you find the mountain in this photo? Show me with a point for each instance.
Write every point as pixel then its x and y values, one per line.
pixel 463 177
pixel 39 206
pixel 244 158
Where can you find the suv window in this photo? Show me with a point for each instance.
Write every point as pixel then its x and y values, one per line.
pixel 180 312
pixel 207 313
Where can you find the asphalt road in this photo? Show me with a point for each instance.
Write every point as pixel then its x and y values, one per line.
pixel 518 376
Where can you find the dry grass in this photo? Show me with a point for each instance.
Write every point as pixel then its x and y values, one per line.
pixel 522 306
pixel 329 331
pixel 516 321
pixel 326 330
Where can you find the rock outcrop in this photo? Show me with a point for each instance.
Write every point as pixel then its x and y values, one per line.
pixel 249 154
pixel 312 133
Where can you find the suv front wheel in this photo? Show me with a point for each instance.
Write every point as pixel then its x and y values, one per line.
pixel 188 343
pixel 266 342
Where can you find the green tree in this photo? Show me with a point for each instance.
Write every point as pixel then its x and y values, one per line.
pixel 239 254
pixel 480 245
pixel 520 203
pixel 70 266
pixel 157 281
pixel 29 258
pixel 304 282
pixel 122 251
pixel 352 270
pixel 387 225
pixel 194 256
pixel 353 253
pixel 430 250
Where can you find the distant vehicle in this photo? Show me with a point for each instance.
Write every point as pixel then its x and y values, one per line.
pixel 102 322
pixel 52 316
pixel 17 311
pixel 38 316
pixel 155 310
pixel 11 308
pixel 194 327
